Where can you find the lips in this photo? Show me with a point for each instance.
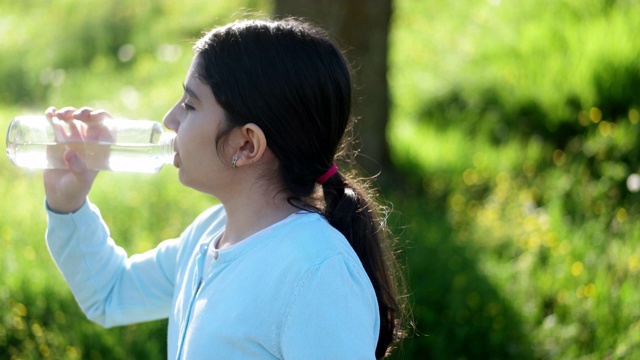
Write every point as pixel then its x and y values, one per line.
pixel 176 156
pixel 176 160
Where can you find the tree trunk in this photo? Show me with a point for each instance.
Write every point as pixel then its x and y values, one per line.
pixel 361 28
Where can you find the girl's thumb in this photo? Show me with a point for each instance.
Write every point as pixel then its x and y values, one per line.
pixel 75 163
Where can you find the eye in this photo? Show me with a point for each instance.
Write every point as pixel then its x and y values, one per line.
pixel 186 106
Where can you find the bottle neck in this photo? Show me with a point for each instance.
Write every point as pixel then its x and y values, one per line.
pixel 166 141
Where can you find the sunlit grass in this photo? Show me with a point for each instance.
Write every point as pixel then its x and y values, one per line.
pixel 552 226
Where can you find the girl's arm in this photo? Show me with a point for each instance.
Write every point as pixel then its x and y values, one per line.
pixel 111 288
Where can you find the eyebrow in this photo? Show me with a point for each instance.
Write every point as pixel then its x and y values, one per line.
pixel 190 92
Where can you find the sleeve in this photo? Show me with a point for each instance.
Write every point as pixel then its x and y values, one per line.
pixel 110 288
pixel 333 314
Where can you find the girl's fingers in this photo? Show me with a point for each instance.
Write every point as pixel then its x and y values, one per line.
pixel 89 126
pixel 65 113
pixel 75 164
pixel 97 130
pixel 83 113
pixel 75 131
pixel 50 113
pixel 58 132
pixel 99 115
pixel 90 115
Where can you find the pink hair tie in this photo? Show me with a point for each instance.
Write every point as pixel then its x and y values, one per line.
pixel 332 171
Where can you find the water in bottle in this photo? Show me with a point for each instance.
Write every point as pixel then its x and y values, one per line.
pixel 112 144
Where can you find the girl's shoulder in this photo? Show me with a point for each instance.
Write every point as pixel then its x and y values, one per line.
pixel 310 239
pixel 212 216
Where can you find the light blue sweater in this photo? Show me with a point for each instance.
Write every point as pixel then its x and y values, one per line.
pixel 295 290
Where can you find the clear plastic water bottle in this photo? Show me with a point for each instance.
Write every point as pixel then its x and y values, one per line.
pixel 141 146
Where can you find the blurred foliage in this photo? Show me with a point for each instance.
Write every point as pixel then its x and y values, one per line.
pixel 60 48
pixel 515 125
pixel 518 122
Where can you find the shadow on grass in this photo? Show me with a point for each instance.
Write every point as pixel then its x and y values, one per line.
pixel 458 313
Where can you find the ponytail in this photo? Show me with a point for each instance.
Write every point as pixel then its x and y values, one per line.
pixel 350 209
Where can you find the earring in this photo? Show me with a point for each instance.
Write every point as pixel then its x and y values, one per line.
pixel 234 161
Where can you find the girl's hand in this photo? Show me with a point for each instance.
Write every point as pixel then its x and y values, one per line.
pixel 66 190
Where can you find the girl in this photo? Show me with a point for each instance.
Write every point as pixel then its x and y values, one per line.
pixel 283 268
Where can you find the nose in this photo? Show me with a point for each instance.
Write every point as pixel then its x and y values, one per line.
pixel 171 120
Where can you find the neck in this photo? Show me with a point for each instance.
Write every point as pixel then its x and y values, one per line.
pixel 249 214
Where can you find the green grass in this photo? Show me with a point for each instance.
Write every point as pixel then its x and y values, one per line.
pixel 519 121
pixel 515 126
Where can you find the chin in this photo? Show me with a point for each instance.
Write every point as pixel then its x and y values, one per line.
pixel 190 183
pixel 184 180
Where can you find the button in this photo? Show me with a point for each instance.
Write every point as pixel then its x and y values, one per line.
pixel 215 255
pixel 204 248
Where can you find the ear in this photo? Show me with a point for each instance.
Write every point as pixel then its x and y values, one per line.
pixel 251 145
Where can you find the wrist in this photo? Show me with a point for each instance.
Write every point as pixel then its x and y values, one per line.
pixel 65 208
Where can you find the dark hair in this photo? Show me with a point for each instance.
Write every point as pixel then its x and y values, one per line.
pixel 292 81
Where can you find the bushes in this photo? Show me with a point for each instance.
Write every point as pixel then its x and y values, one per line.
pixel 616 83
pixel 42 322
pixel 518 159
pixel 562 241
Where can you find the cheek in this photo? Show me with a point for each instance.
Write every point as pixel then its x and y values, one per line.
pixel 198 145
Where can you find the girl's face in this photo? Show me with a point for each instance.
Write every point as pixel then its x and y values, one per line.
pixel 197 118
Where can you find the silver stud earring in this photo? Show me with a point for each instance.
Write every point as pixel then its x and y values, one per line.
pixel 234 161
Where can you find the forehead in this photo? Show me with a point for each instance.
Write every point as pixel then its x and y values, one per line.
pixel 194 81
pixel 192 73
